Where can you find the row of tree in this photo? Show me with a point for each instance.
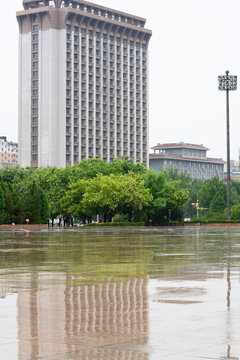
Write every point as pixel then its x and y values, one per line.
pixel 18 204
pixel 211 196
pixel 120 189
pixel 93 188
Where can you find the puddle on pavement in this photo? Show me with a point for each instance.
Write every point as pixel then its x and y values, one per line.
pixel 139 294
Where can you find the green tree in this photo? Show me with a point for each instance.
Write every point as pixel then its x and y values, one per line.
pixel 125 165
pixel 33 205
pixel 55 183
pixel 90 168
pixel 133 195
pixel 185 180
pixel 167 197
pixel 18 205
pixel 235 192
pixel 176 198
pixel 209 189
pixel 235 212
pixel 9 203
pixel 45 213
pixel 218 203
pixel 102 196
pixel 157 184
pixel 71 203
pixel 188 209
pixel 2 207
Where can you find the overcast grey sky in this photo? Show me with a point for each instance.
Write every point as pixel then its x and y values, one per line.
pixel 193 42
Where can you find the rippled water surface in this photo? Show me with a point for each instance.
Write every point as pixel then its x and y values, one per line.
pixel 120 294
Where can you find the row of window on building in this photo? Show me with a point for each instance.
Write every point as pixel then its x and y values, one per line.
pixel 179 164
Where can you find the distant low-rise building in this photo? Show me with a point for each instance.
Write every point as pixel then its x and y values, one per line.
pixel 234 170
pixel 8 153
pixel 186 158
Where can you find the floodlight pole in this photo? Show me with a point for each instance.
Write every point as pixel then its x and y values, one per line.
pixel 228 83
pixel 228 156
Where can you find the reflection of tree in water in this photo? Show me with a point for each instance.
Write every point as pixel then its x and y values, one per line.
pixel 120 254
pixel 83 264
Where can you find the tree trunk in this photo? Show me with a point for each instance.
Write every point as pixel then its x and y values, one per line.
pixel 130 216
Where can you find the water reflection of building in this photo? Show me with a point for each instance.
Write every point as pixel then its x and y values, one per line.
pixel 6 286
pixel 88 321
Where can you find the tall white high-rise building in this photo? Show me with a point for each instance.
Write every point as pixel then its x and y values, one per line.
pixel 83 83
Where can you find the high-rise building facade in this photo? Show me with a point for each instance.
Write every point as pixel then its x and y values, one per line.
pixel 83 83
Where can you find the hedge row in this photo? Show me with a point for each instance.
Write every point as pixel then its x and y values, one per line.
pixel 116 224
pixel 205 222
pixel 125 224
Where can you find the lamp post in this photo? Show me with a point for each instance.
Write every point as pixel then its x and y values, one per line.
pixel 228 83
pixel 196 205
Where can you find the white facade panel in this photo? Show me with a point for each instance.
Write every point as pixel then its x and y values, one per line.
pixel 147 110
pixel 24 99
pixel 52 98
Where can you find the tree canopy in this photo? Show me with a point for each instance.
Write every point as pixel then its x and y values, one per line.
pixel 95 187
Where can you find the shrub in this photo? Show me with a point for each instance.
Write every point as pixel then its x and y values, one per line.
pixel 116 224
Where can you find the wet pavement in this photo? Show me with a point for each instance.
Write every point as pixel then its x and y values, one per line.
pixel 120 294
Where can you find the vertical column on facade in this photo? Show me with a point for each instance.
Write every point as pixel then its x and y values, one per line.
pixel 32 109
pixel 69 95
pixel 80 91
pixel 101 89
pixel 129 93
pixel 109 95
pixel 135 145
pixel 87 88
pixel 20 42
pixel 147 86
pixel 103 95
pixel 75 91
pixel 122 92
pixel 72 89
pixel 39 92
pixel 116 113
pixel 141 97
pixel 34 91
pixel 94 88
pixel 87 91
pixel 83 94
pixel 98 68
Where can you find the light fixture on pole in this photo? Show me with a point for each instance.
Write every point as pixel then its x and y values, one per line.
pixel 228 83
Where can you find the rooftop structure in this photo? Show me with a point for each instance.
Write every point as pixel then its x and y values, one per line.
pixel 87 7
pixel 180 145
pixel 83 83
pixel 186 158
